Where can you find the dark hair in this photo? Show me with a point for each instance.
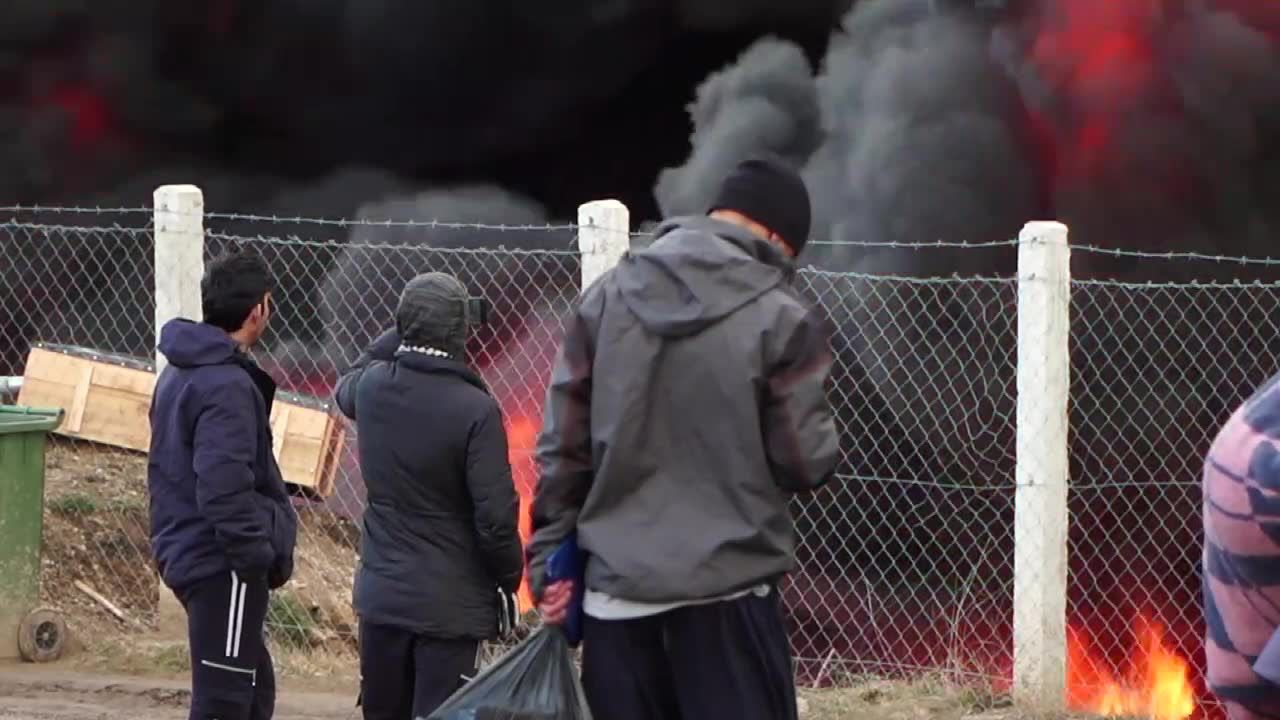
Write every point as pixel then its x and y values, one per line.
pixel 232 286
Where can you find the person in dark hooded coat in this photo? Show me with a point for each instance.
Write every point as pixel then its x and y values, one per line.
pixel 686 406
pixel 440 554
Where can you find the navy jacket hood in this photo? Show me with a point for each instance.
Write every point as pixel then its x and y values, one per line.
pixel 187 344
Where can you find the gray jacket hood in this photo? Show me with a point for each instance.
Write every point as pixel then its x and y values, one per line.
pixel 698 271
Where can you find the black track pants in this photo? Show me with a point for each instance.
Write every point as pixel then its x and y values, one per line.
pixel 728 659
pixel 232 677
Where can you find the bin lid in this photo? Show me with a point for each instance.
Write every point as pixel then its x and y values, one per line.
pixel 19 419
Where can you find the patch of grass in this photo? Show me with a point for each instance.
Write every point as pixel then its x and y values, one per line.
pixel 131 656
pixel 316 669
pixel 289 622
pixel 126 505
pixel 72 504
pixel 929 698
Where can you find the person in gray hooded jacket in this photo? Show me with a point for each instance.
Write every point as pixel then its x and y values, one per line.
pixel 440 555
pixel 686 405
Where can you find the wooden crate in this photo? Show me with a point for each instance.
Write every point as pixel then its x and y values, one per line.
pixel 308 441
pixel 106 399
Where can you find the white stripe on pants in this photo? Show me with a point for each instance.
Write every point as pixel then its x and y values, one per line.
pixel 235 616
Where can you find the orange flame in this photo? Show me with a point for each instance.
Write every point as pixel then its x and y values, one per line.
pixel 522 437
pixel 1156 684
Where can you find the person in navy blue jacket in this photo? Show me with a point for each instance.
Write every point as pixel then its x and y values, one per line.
pixel 222 526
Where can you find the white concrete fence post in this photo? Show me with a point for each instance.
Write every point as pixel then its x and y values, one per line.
pixel 179 265
pixel 179 255
pixel 1040 516
pixel 604 236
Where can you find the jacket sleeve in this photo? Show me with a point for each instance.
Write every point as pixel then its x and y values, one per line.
pixel 284 531
pixel 383 348
pixel 800 435
pixel 497 507
pixel 565 465
pixel 224 446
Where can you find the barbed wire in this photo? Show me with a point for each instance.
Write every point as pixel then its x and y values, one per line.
pixel 294 240
pixel 916 245
pixel 75 209
pixel 1178 285
pixel 300 219
pixel 370 222
pixel 906 279
pixel 81 229
pixel 562 227
pixel 1175 255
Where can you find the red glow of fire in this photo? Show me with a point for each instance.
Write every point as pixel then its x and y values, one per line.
pixel 522 436
pixel 1156 683
pixel 1099 55
pixel 90 120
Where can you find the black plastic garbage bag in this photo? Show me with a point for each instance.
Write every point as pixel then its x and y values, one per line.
pixel 535 681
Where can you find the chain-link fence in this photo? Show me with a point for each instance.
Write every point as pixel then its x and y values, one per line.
pixel 82 282
pixel 906 562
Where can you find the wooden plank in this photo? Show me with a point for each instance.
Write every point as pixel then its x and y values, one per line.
pixel 75 415
pixel 280 414
pixel 39 392
pixel 118 417
pixel 332 458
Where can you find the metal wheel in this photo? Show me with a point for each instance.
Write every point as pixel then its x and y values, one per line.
pixel 42 636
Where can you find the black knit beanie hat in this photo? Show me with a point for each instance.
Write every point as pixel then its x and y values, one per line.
pixel 772 193
pixel 433 314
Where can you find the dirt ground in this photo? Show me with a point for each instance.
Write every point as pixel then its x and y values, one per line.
pixel 37 693
pixel 29 692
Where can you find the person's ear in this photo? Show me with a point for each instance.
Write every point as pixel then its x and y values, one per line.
pixel 776 239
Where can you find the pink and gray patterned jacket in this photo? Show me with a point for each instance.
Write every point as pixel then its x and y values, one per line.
pixel 1242 558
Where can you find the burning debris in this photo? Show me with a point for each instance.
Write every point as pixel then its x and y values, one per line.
pixel 1156 683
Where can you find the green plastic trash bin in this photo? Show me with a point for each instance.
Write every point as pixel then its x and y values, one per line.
pixel 23 432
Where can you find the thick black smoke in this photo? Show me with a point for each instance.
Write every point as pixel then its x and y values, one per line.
pixel 92 93
pixel 942 124
pixel 1191 129
pixel 768 101
pixel 360 291
pixel 274 107
pixel 1149 127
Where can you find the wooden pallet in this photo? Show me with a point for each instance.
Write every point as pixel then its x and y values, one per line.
pixel 107 397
